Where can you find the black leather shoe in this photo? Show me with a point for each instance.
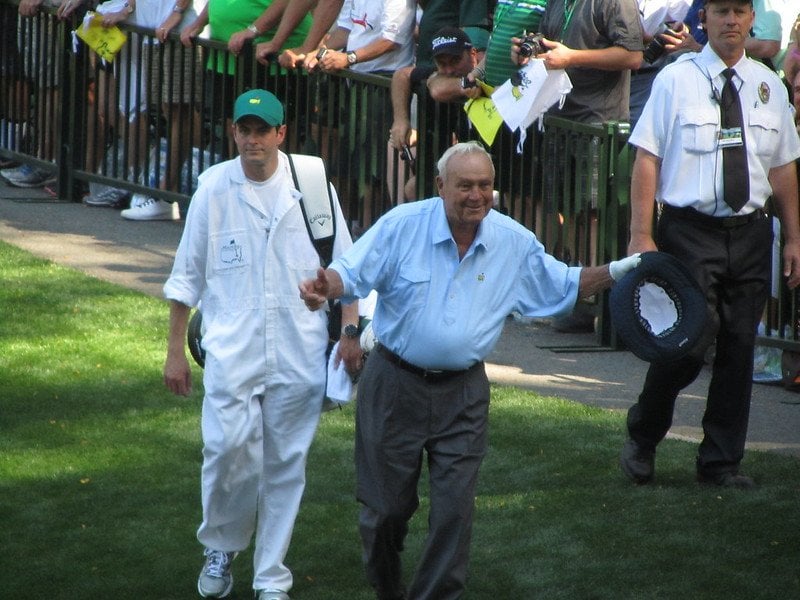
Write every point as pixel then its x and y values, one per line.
pixel 728 480
pixel 637 463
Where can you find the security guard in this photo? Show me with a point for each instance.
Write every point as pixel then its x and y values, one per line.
pixel 714 142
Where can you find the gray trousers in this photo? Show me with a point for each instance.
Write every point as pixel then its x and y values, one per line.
pixel 399 418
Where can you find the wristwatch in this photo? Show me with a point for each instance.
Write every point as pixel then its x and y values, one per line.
pixel 351 58
pixel 350 331
pixel 128 7
pixel 253 29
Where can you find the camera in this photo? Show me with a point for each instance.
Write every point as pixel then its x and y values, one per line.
pixel 531 45
pixel 405 154
pixel 467 83
pixel 656 48
pixel 322 52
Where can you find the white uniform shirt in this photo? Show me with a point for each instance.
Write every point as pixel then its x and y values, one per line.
pixel 681 122
pixel 371 20
pixel 256 329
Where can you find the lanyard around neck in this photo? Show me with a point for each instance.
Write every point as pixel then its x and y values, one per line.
pixel 569 9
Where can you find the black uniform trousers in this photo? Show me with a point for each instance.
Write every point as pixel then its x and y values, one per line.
pixel 732 266
pixel 401 416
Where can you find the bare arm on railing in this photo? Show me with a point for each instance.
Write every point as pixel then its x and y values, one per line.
pixel 29 8
pixel 336 60
pixel 266 21
pixel 323 18
pixel 192 30
pixel 173 20
pixel 115 18
pixel 66 8
pixel 400 133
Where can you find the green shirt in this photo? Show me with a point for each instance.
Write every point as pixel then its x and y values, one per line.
pixel 226 17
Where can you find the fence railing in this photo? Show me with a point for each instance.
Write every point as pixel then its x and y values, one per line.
pixel 59 111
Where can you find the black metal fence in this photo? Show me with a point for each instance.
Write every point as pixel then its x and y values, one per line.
pixel 160 114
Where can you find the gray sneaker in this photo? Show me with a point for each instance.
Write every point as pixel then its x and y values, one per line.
pixel 30 177
pixel 11 172
pixel 215 579
pixel 111 197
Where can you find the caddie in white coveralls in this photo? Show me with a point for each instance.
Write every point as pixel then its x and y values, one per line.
pixel 244 250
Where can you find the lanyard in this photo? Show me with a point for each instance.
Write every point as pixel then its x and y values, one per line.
pixel 569 9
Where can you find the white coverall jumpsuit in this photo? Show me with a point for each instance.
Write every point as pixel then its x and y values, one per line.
pixel 265 364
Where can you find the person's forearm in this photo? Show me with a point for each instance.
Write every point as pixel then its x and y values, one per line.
pixel 337 39
pixel 784 195
pixel 757 48
pixel 445 88
pixel 323 18
pixel 178 323
pixel 643 194
pixel 401 94
pixel 594 280
pixel 335 284
pixel 350 314
pixel 614 58
pixel 271 16
pixel 293 13
pixel 375 49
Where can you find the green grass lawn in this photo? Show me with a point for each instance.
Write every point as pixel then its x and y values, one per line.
pixel 99 480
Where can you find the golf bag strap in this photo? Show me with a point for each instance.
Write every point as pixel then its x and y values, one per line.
pixel 311 180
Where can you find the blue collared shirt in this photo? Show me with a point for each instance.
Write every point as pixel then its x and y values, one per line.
pixel 437 311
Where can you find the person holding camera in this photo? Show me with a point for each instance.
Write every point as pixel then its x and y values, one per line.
pixel 447 272
pixel 597 44
pixel 715 141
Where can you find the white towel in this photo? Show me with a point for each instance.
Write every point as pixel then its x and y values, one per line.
pixel 340 386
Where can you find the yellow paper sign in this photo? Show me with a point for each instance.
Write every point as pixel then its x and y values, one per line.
pixel 484 116
pixel 106 41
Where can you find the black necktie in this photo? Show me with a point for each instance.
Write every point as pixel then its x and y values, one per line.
pixel 735 178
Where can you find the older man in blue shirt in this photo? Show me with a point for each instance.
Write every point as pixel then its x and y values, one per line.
pixel 448 271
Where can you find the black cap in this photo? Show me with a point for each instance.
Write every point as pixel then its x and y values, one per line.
pixel 658 309
pixel 450 40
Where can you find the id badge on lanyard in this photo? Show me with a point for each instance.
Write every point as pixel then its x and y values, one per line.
pixel 730 137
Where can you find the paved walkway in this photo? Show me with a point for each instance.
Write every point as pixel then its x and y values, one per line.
pixel 139 255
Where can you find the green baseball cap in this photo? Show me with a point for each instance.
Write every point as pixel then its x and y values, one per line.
pixel 261 104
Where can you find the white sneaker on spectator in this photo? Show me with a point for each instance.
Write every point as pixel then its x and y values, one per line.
pixel 111 197
pixel 30 177
pixel 138 200
pixel 152 209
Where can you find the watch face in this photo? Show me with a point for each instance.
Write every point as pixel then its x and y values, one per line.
pixel 351 58
pixel 351 331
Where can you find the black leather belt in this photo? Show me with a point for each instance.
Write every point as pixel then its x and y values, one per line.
pixel 691 214
pixel 432 375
